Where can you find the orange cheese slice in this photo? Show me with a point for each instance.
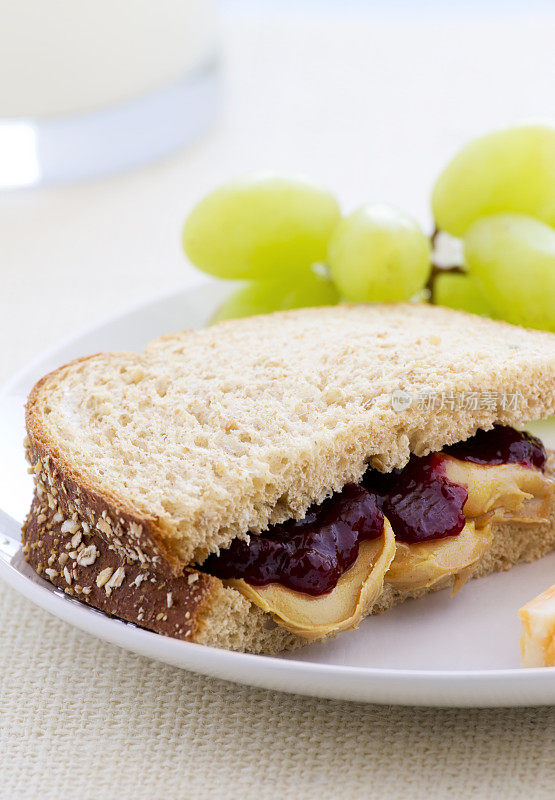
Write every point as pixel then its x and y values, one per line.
pixel 537 641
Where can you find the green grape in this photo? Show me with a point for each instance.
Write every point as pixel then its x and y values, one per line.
pixel 512 257
pixel 261 227
pixel 378 253
pixel 460 291
pixel 263 297
pixel 509 170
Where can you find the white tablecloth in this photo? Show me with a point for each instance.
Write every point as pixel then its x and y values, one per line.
pixel 372 109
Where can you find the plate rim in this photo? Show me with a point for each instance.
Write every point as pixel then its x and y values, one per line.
pixel 194 282
pixel 383 685
pixel 443 687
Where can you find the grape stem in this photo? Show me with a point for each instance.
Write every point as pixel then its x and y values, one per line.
pixel 435 271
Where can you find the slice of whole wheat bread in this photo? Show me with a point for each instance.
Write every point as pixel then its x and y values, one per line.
pixel 210 435
pixel 61 546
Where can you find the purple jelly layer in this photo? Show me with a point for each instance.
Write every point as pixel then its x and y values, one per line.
pixel 501 445
pixel 421 503
pixel 308 555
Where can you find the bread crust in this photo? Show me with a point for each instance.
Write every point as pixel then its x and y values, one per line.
pixel 134 533
pixel 62 546
pixel 83 564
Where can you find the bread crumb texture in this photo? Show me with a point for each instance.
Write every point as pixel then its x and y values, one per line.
pixel 214 434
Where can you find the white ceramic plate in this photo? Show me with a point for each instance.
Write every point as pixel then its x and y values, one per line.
pixel 435 651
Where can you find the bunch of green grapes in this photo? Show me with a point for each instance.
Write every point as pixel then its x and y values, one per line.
pixel 498 196
pixel 287 238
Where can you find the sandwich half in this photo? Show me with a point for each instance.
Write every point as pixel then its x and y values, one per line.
pixel 271 481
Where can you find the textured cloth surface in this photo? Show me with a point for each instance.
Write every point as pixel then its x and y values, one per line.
pixel 348 102
pixel 84 719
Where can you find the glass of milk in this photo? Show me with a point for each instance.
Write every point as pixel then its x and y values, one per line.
pixel 88 87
